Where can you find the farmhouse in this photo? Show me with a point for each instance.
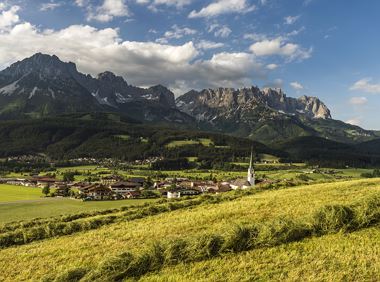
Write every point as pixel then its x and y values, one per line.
pixel 137 180
pixel 44 181
pixel 123 187
pixel 110 179
pixel 132 195
pixel 100 192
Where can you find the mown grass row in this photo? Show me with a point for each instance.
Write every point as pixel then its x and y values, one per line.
pixel 54 228
pixel 326 220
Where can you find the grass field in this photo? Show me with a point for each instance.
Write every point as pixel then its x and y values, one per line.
pixel 11 193
pixel 178 143
pixel 49 207
pixel 336 257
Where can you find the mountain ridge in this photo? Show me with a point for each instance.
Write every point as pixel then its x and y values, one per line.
pixel 43 85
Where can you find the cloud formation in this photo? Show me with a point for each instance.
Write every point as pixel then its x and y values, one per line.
pixel 280 47
pixel 296 86
pixel 365 85
pixel 141 63
pixel 355 121
pixel 49 6
pixel 358 101
pixel 176 32
pixel 106 12
pixel 291 19
pixel 223 7
pixel 8 17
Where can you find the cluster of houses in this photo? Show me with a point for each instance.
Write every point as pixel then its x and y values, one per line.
pixel 113 187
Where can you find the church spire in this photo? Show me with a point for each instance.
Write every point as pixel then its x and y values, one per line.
pixel 251 161
pixel 251 171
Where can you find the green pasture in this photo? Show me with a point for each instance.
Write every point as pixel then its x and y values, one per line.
pixel 11 193
pixel 337 257
pixel 50 207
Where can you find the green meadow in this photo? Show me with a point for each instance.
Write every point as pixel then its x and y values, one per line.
pixel 11 193
pixel 95 254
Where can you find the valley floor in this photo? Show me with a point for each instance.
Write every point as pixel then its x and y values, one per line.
pixel 337 257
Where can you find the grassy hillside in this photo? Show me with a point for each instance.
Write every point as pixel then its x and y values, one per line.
pixel 87 249
pixel 336 257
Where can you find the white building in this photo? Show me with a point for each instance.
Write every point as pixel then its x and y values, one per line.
pixel 251 172
pixel 174 194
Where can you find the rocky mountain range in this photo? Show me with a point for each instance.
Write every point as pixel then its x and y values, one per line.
pixel 43 85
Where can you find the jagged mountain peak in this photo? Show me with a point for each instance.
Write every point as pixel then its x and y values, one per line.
pixel 46 66
pixel 43 85
pixel 108 76
pixel 234 109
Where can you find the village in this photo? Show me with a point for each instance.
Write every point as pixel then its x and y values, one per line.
pixel 116 187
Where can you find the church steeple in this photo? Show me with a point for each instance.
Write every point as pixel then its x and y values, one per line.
pixel 251 171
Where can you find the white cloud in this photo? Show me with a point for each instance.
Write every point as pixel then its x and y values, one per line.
pixel 206 45
pixel 219 30
pixel 358 101
pixel 365 85
pixel 154 4
pixel 255 36
pixel 223 32
pixel 176 32
pixel 291 19
pixel 141 63
pixel 220 7
pixel 272 66
pixel 280 47
pixel 296 85
pixel 107 11
pixel 9 17
pixel 354 121
pixel 49 6
pixel 81 3
pixel 176 3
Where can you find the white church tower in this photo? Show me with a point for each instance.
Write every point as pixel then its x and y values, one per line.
pixel 251 171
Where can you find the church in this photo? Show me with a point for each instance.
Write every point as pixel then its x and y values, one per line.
pixel 250 181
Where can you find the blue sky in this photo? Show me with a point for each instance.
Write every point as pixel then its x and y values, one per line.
pixel 323 48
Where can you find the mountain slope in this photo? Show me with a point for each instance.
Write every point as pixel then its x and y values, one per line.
pixel 43 85
pixel 266 115
pixel 107 135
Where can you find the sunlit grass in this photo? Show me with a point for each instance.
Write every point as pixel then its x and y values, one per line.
pixel 28 262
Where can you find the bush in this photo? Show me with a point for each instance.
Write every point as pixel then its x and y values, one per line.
pixel 333 218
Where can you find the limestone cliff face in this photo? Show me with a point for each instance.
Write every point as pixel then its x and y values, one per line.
pixel 209 104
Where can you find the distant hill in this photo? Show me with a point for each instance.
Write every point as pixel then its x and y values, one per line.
pixel 106 135
pixel 317 150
